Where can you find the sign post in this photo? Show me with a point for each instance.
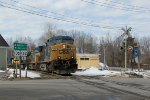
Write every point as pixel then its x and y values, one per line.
pixel 16 61
pixel 20 50
pixel 136 54
pixel 16 70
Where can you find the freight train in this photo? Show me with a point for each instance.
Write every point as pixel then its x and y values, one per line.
pixel 58 55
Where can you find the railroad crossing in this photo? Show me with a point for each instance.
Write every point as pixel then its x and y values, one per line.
pixel 75 89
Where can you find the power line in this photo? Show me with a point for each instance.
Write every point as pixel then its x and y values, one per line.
pixel 58 13
pixel 107 5
pixel 46 10
pixel 54 12
pixel 134 6
pixel 112 5
pixel 115 6
pixel 71 21
pixel 52 17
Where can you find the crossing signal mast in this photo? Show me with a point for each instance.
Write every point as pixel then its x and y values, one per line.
pixel 126 34
pixel 128 43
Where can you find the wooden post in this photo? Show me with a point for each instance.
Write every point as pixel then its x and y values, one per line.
pixel 20 71
pixel 26 71
pixel 139 60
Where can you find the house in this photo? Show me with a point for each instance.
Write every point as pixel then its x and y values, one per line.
pixel 87 61
pixel 3 53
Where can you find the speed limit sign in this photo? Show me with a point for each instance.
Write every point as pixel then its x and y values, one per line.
pixel 20 53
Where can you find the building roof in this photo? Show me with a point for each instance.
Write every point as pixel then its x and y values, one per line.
pixel 3 43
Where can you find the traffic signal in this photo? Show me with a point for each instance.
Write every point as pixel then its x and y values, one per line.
pixel 121 48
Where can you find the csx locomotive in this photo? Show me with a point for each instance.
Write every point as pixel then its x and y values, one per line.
pixel 58 55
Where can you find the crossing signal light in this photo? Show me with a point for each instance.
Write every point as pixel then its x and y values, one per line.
pixel 121 48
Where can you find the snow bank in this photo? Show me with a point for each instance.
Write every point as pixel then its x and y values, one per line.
pixel 2 71
pixel 103 66
pixel 95 72
pixel 110 73
pixel 30 74
pixel 144 74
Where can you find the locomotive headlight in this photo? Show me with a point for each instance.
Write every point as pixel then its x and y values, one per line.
pixel 72 48
pixel 64 46
pixel 72 57
pixel 59 57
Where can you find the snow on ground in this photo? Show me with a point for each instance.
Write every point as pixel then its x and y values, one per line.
pixel 30 74
pixel 103 71
pixel 103 66
pixel 96 72
pixel 2 71
pixel 143 73
pixel 109 73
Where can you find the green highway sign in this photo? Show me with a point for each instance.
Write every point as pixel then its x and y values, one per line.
pixel 20 46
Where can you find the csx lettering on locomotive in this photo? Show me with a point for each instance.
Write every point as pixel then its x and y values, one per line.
pixel 64 51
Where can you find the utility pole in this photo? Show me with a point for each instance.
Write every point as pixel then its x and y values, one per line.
pixel 125 54
pixel 139 66
pixel 104 55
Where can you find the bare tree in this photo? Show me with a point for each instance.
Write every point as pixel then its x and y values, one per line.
pixel 113 56
pixel 85 42
pixel 118 53
pixel 145 49
pixel 50 30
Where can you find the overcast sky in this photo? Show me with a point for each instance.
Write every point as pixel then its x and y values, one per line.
pixel 108 15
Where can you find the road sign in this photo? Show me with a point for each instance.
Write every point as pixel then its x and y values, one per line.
pixel 16 61
pixel 18 53
pixel 20 46
pixel 135 52
pixel 130 49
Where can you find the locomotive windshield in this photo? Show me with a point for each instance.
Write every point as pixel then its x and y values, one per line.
pixel 68 41
pixel 61 39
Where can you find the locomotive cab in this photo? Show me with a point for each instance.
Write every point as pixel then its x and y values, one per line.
pixel 62 55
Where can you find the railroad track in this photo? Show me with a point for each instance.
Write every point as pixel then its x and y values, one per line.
pixel 134 85
pixel 102 85
pixel 113 89
pixel 87 80
pixel 45 75
pixel 98 78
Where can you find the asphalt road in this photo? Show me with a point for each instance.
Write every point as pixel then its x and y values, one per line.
pixel 60 89
pixel 2 74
